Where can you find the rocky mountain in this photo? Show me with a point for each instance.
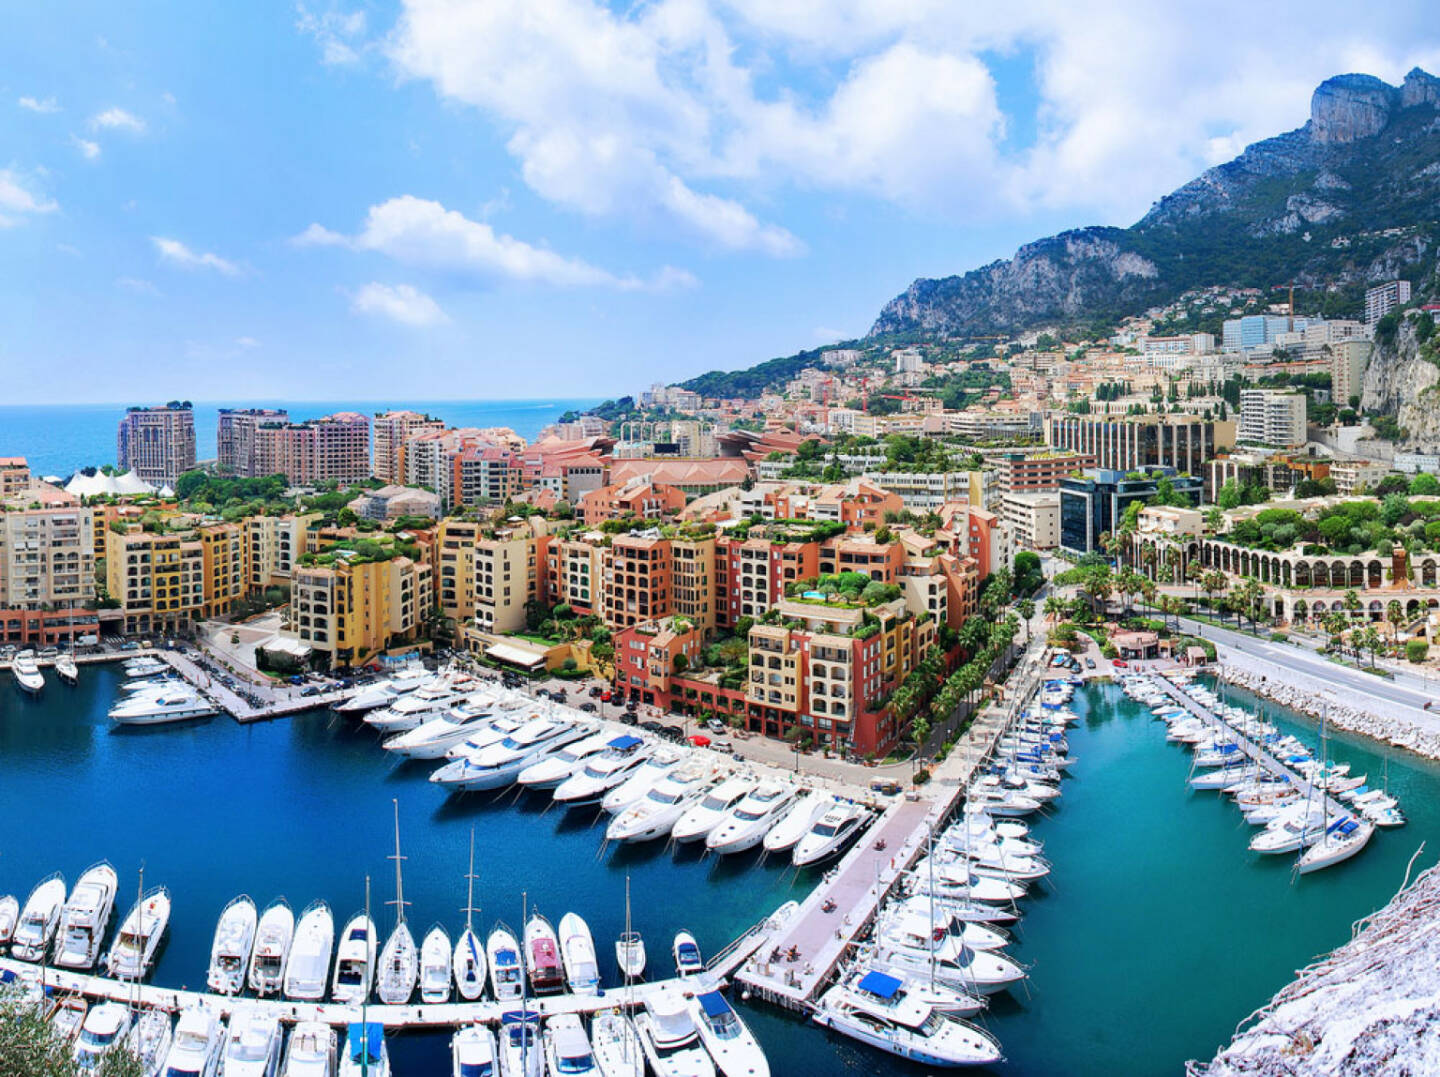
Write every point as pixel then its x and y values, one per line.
pixel 1403 380
pixel 1351 197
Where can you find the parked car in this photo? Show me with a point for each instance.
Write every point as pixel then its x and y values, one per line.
pixel 887 786
pixel 588 708
pixel 311 691
pixel 1089 663
pixel 595 691
pixel 1120 663
pixel 628 719
pixel 715 725
pixel 652 726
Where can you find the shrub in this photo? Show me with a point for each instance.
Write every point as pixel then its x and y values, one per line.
pixel 922 775
pixel 1417 650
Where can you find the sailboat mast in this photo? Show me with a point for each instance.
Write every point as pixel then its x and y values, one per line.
pixel 399 885
pixel 365 996
pixel 524 977
pixel 470 885
pixel 629 980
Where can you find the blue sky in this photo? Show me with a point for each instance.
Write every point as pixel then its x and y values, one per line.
pixel 437 198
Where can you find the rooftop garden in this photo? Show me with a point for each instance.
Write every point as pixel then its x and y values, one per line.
pixel 848 590
pixel 1351 527
pixel 362 551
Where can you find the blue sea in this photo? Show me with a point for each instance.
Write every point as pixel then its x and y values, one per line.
pixel 59 439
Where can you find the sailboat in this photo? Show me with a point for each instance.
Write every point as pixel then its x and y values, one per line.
pixel 399 960
pixel 365 1053
pixel 1343 838
pixel 469 960
pixel 630 947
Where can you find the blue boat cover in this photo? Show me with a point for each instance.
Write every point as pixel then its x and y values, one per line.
pixel 714 1004
pixel 688 952
pixel 506 956
pixel 515 1017
pixel 879 984
pixel 626 742
pixel 366 1042
pixel 1349 826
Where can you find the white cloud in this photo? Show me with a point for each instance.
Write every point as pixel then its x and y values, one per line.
pixel 424 233
pixel 403 303
pixel 18 202
pixel 246 343
pixel 136 286
pixel 42 105
pixel 89 150
pixel 338 33
pixel 176 252
pixel 117 119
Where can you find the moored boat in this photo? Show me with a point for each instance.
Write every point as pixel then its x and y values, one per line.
pixel 730 1044
pixel 354 960
pixel 85 917
pixel 577 953
pixel 140 934
pixel 311 1051
pixel 272 948
pixel 309 965
pixel 231 948
pixel 503 954
pixel 435 959
pixel 542 956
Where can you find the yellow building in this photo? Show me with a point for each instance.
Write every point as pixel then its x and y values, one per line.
pixel 158 579
pixel 224 556
pixel 692 582
pixel 351 610
pixel 506 578
pixel 455 569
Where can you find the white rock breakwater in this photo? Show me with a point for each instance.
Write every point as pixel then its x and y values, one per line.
pixel 1370 1007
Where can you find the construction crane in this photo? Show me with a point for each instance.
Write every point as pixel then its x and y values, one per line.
pixel 1290 325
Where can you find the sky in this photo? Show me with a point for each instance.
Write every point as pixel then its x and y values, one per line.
pixel 509 198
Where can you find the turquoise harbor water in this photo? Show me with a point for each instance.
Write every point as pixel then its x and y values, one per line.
pixel 1158 932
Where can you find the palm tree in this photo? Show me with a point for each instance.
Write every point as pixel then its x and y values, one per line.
pixel 1352 602
pixel 1213 583
pixel 1395 614
pixel 1370 641
pixel 1056 608
pixel 1026 606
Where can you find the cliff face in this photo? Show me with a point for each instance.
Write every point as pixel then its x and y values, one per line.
pixel 1400 382
pixel 1350 197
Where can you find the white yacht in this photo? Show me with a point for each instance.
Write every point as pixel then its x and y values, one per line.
pixel 145 666
pixel 744 826
pixel 105 1027
pixel 66 669
pixel 67 1017
pixel 173 705
pixel 1343 838
pixel 311 1051
pixel 230 950
pixel 26 672
pixel 657 811
pixel 913 943
pixel 630 954
pixel 506 974
pixel 354 960
pixel 977 936
pixel 366 1053
pixel 252 1047
pixel 831 833
pixel 149 1040
pixel 616 1045
pixel 698 820
pixel 669 1037
pixel 686 951
pixel 642 779
pixel 272 948
pixel 730 1043
pixel 435 959
pixel 958 880
pixel 797 820
pixel 140 935
pixel 384 692
pixel 498 765
pixel 577 953
pixel 567 1048
pixel 418 707
pixel 521 1052
pixel 85 918
pixel 9 917
pixel 309 967
pixel 1294 829
pixel 554 769
pixel 473 1052
pixel 38 919
pixel 196 1045
pixel 399 966
pixel 874 1008
pixel 590 783
pixel 437 736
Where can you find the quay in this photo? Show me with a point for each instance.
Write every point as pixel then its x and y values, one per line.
pixel 1248 747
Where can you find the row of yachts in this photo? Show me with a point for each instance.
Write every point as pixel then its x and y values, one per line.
pixel 936 951
pixel 153 694
pixel 1301 803
pixel 492 738
pixel 25 671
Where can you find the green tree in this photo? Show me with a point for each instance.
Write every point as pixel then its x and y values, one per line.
pixel 1424 485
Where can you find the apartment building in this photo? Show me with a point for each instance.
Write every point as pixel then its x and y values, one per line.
pixel 639 497
pixel 353 609
pixel 1021 473
pixel 506 578
pixel 334 448
pixel 158 578
pixel 14 476
pixel 1093 504
pixel 1272 417
pixel 273 546
pixel 751 574
pixel 1129 443
pixel 1348 359
pixel 236 448
pixel 1383 298
pixel 157 444
pixel 47 565
pixel 1033 519
pixel 224 555
pixel 455 569
pixel 390 430
pixel 574 574
pixel 486 475
pixel 637 580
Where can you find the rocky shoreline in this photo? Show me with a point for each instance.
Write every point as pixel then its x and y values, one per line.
pixel 1370 717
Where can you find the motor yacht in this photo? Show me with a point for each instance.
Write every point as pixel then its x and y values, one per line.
pixel 730 1044
pixel 616 1044
pixel 437 736
pixel 311 1051
pixel 994 862
pixel 26 672
pixel 473 1052
pixel 657 766
pixel 231 948
pixel 1004 804
pixel 498 764
pixel 149 1040
pixel 830 833
pixel 961 838
pixel 521 1052
pixel 630 955
pixel 105 1028
pixel 1343 838
pixel 669 1037
pixel 655 813
pixel 554 769
pixel 354 960
pixel 39 917
pixel 577 953
pixel 252 1046
pixel 700 819
pixel 503 952
pixel 384 692
pixel 911 942
pixel 365 1053
pixel 140 934
pixel 977 936
pixel 542 953
pixel 959 880
pixel 196 1045
pixel 9 916
pixel 600 774
pixel 67 1017
pixel 309 967
pixel 686 951
pixel 66 669
pixel 874 1008
pixel 85 918
pixel 416 708
pixel 744 826
pixel 273 939
pixel 567 1048
pixel 797 820
pixel 435 960
pixel 145 666
pixel 173 705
